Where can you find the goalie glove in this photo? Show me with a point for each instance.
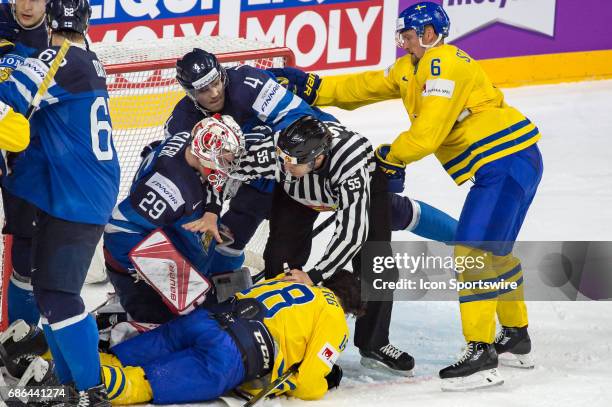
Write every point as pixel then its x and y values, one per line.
pixel 396 173
pixel 303 84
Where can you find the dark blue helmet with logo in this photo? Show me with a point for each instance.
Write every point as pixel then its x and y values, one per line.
pixel 197 69
pixel 420 15
pixel 68 15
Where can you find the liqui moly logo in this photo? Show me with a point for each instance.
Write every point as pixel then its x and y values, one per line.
pixel 468 16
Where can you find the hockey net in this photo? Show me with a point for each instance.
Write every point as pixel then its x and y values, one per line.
pixel 143 91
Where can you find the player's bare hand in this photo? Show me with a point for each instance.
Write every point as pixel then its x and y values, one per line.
pixel 206 224
pixel 297 276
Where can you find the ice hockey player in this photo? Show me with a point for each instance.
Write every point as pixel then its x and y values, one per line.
pixel 22 31
pixel 244 93
pixel 326 167
pixel 247 341
pixel 70 172
pixel 458 114
pixel 253 98
pixel 167 193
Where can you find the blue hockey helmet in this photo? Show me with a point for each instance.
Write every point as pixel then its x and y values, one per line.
pixel 197 69
pixel 420 15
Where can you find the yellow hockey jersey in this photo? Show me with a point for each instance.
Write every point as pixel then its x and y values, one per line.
pixel 14 129
pixel 308 326
pixel 454 109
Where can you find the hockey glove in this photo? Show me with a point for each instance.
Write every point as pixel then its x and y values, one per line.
pixel 396 173
pixel 303 84
pixel 334 377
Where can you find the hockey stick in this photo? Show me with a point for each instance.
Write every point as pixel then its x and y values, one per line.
pixel 44 86
pixel 269 388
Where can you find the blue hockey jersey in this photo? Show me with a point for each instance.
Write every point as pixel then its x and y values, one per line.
pixel 253 98
pixel 166 193
pixel 70 170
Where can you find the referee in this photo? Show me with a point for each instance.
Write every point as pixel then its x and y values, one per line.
pixel 326 167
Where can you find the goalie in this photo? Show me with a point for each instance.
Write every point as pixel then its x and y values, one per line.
pixel 172 187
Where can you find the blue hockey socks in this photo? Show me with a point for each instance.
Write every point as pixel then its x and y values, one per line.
pixel 433 224
pixel 21 301
pixel 76 339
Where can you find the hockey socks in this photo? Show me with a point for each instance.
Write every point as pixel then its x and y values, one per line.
pixel 432 223
pixel 21 302
pixel 74 346
pixel 126 385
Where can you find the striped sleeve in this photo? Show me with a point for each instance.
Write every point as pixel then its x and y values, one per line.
pixel 260 159
pixel 213 199
pixel 19 90
pixel 351 225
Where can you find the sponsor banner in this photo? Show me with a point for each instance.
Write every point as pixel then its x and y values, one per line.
pixel 324 34
pixel 509 28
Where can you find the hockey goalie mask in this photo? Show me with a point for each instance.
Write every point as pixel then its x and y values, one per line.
pixel 218 144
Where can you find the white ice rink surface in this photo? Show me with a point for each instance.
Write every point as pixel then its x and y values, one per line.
pixel 572 340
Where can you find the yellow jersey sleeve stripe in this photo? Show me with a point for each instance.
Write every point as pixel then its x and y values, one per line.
pixel 504 148
pixel 480 143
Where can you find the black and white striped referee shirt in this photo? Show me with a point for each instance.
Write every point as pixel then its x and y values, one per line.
pixel 342 185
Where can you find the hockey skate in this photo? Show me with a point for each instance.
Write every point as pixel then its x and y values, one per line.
pixel 513 346
pixel 475 369
pixel 20 344
pixel 388 358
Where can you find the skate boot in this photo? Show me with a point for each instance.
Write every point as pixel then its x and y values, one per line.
pixel 475 369
pixel 388 358
pixel 514 347
pixel 93 397
pixel 20 344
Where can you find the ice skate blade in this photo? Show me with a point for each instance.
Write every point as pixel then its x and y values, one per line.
pixel 375 364
pixel 517 361
pixel 478 380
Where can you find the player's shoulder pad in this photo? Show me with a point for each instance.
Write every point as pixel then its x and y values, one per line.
pixel 184 116
pixel 81 71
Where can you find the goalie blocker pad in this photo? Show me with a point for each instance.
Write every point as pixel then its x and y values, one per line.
pixel 161 265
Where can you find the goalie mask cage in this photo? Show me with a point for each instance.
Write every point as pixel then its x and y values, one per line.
pixel 143 92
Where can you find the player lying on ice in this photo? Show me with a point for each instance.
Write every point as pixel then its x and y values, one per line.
pixel 246 342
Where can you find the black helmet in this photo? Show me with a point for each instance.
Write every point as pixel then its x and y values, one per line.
pixel 68 15
pixel 197 69
pixel 303 141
